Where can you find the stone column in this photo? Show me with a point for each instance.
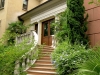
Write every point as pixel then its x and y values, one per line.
pixel 39 32
pixel 56 18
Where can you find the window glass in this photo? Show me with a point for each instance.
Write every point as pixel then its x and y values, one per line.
pixel 36 28
pixel 52 27
pixel 25 4
pixel 2 3
pixel 46 29
pixel 0 23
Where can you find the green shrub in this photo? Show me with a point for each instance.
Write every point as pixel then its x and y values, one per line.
pixel 76 22
pixel 67 57
pixel 92 66
pixel 61 30
pixel 14 29
pixel 10 55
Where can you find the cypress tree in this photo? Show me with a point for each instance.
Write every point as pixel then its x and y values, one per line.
pixel 76 22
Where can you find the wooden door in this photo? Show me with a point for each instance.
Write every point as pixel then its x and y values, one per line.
pixel 47 32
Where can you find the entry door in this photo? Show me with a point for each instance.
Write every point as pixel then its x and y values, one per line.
pixel 47 32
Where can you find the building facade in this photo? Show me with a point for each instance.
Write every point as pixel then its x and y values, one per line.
pixel 11 9
pixel 41 18
pixel 40 13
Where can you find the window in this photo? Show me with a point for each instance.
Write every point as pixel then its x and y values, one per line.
pixel 36 28
pixel 25 4
pixel 2 4
pixel 0 23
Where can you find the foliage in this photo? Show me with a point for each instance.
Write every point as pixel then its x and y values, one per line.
pixel 14 29
pixel 72 24
pixel 97 2
pixel 92 66
pixel 76 23
pixel 1 48
pixel 60 27
pixel 10 55
pixel 67 57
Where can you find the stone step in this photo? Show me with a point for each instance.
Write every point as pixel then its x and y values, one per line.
pixel 44 61
pixel 44 55
pixel 43 65
pixel 35 72
pixel 45 52
pixel 51 69
pixel 44 58
pixel 46 48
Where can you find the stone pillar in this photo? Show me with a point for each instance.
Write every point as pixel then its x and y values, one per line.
pixel 56 18
pixel 39 32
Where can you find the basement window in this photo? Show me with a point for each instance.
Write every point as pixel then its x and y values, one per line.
pixel 25 4
pixel 2 4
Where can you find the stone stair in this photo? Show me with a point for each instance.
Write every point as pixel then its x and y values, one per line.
pixel 43 66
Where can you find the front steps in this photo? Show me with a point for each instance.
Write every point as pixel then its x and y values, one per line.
pixel 43 66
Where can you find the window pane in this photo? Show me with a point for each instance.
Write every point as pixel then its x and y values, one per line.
pixel 46 29
pixel 52 27
pixel 0 23
pixel 36 28
pixel 25 4
pixel 2 3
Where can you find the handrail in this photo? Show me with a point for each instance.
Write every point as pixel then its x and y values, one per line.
pixel 28 58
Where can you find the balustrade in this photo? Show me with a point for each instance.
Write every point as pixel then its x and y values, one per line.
pixel 53 41
pixel 24 37
pixel 28 59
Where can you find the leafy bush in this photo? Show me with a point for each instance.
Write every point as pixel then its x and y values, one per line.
pixel 61 30
pixel 67 57
pixel 10 55
pixel 92 66
pixel 14 29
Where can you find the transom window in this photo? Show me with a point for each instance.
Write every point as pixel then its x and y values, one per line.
pixel 25 4
pixel 2 4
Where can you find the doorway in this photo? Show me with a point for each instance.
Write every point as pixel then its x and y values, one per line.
pixel 47 32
